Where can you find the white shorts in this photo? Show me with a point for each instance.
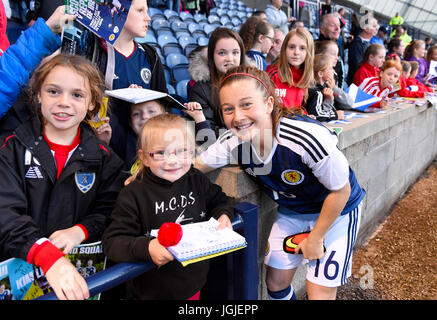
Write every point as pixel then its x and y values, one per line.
pixel 333 269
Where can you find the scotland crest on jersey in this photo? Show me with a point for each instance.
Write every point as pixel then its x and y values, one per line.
pixel 85 181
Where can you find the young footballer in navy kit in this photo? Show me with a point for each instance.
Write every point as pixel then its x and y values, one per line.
pixel 297 162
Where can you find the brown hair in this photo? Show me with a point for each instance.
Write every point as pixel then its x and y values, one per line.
pixel 284 71
pixel 78 64
pixel 406 66
pixel 157 127
pixel 321 63
pixel 264 84
pixel 430 52
pixel 373 50
pixel 322 46
pixel 413 45
pixel 251 29
pixel 414 65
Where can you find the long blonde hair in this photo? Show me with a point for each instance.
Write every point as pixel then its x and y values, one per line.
pixel 156 128
pixel 284 71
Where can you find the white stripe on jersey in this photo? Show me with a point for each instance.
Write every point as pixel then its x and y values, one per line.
pixel 372 86
pixel 302 134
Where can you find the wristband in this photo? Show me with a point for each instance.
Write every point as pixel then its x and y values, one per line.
pixel 44 254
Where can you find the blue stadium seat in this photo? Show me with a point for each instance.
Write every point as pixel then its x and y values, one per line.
pixel 170 89
pixel 202 41
pixel 166 39
pixel 179 26
pixel 241 14
pixel 180 72
pixel 182 33
pixel 192 26
pixel 198 17
pixel 187 43
pixel 175 59
pixel 178 64
pixel 149 38
pixel 209 28
pixel 169 44
pixel 160 24
pixel 171 15
pixel 167 73
pixel 213 18
pixel 181 89
pixel 155 13
pixel 186 17
pixel 236 21
pixel 225 19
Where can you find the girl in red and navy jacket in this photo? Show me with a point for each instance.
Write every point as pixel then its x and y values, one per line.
pixel 383 86
pixel 58 182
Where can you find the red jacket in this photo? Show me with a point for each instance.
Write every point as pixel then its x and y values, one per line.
pixel 288 96
pixel 405 92
pixel 414 82
pixel 366 70
pixel 4 42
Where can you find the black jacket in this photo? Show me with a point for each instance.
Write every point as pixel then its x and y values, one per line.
pixel 356 52
pixel 147 203
pixel 320 106
pixel 34 203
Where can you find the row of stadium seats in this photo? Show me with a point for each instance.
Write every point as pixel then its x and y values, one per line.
pixel 174 35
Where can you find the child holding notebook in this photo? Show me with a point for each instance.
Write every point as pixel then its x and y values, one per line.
pixel 166 188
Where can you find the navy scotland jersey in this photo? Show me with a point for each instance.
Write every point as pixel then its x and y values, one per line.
pixel 300 171
pixel 124 74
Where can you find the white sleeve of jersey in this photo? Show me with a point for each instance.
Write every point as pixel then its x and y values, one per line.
pixel 333 169
pixel 219 153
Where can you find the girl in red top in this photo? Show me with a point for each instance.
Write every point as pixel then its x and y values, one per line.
pixel 373 59
pixel 405 90
pixel 383 85
pixel 412 81
pixel 292 74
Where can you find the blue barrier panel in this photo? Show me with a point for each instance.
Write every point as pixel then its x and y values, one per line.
pixel 245 264
pixel 246 278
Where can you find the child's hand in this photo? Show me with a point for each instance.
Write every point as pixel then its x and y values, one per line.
pixel 133 85
pixel 58 19
pixel 328 93
pixel 194 110
pixel 225 222
pixel 67 283
pixel 67 239
pixel 340 114
pixel 104 132
pixel 330 82
pixel 383 104
pixel 159 254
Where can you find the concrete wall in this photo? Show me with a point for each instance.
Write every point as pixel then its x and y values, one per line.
pixel 387 152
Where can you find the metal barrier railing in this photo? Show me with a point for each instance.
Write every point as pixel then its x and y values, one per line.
pixel 244 263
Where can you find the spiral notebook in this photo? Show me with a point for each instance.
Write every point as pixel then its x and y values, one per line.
pixel 202 240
